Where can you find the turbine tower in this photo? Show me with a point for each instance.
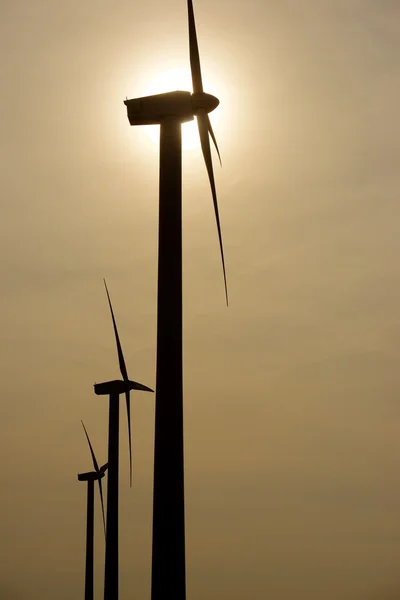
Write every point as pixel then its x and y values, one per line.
pixel 113 389
pixel 91 477
pixel 170 110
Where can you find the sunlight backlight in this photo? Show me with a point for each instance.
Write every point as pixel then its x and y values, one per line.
pixel 180 79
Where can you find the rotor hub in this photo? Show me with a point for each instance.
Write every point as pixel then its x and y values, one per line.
pixel 201 100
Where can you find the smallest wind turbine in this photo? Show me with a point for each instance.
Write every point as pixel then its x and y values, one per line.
pixel 91 477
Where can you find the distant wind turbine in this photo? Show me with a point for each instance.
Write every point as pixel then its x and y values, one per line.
pixel 113 389
pixel 91 477
pixel 170 110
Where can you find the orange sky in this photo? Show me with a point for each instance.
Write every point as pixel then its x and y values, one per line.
pixel 292 416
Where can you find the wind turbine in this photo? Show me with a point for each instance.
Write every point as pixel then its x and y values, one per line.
pixel 91 477
pixel 170 110
pixel 113 389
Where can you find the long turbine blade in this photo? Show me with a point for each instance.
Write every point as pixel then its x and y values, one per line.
pixel 102 504
pixel 139 386
pixel 96 466
pixel 128 413
pixel 205 146
pixel 210 130
pixel 122 365
pixel 194 52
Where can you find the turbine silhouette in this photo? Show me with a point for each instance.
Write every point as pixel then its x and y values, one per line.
pixel 91 477
pixel 113 389
pixel 170 110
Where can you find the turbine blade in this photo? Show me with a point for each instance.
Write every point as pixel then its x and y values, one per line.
pixel 210 130
pixel 128 414
pixel 102 504
pixel 96 466
pixel 121 360
pixel 140 387
pixel 104 468
pixel 194 52
pixel 202 122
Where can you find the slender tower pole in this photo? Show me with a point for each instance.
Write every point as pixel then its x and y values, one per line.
pixel 168 560
pixel 89 541
pixel 111 563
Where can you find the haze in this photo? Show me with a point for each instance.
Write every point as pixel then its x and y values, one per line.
pixel 292 413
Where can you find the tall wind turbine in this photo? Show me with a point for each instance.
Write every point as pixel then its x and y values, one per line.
pixel 91 477
pixel 170 110
pixel 113 389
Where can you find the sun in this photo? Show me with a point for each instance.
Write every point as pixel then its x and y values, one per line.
pixel 179 79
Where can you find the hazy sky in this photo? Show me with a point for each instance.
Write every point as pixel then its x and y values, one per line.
pixel 292 408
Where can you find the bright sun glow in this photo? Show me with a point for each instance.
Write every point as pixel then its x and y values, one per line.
pixel 180 79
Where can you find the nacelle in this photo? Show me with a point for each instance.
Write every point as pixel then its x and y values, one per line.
pixel 91 476
pixel 118 386
pixel 151 110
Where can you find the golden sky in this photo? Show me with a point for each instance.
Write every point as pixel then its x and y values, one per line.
pixel 292 412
